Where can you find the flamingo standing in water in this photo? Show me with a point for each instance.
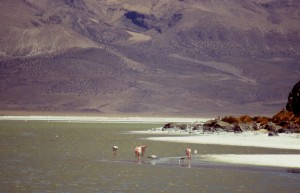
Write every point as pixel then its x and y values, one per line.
pixel 139 151
pixel 115 148
pixel 188 153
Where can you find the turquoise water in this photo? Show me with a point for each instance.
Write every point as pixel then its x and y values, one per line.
pixel 77 157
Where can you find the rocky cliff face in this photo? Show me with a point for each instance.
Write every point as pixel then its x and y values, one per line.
pixel 188 57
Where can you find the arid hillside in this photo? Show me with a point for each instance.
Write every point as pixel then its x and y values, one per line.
pixel 152 57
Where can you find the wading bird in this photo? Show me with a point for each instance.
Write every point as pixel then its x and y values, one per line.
pixel 139 151
pixel 115 148
pixel 188 153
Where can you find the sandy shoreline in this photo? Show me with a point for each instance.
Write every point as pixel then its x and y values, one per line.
pixel 249 139
pixel 105 119
pixel 274 160
pixel 283 141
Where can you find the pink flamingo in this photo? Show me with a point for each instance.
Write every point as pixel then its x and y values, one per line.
pixel 115 148
pixel 139 151
pixel 188 153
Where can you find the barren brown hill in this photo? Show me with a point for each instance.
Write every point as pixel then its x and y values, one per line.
pixel 152 57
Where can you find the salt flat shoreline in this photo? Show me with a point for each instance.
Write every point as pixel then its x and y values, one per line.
pixel 273 160
pixel 284 141
pixel 249 139
pixel 105 119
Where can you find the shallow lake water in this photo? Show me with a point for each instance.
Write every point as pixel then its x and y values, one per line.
pixel 38 156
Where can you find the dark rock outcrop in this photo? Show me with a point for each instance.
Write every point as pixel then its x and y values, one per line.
pixel 272 133
pixel 293 104
pixel 241 126
pixel 272 129
pixel 142 22
pixel 174 126
pixel 197 127
pixel 217 125
pixel 285 121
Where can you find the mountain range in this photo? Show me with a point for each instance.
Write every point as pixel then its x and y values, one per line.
pixel 148 58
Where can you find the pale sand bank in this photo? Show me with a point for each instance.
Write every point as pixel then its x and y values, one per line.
pixel 283 141
pixel 251 139
pixel 105 119
pixel 276 160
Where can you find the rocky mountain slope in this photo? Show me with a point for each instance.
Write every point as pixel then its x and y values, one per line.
pixel 152 57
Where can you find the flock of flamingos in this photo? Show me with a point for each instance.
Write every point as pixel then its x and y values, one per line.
pixel 140 150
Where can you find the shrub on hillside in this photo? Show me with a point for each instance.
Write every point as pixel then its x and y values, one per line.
pixel 262 120
pixel 230 119
pixel 288 120
pixel 282 116
pixel 245 119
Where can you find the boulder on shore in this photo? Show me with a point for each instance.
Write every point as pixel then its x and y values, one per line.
pixel 217 125
pixel 174 126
